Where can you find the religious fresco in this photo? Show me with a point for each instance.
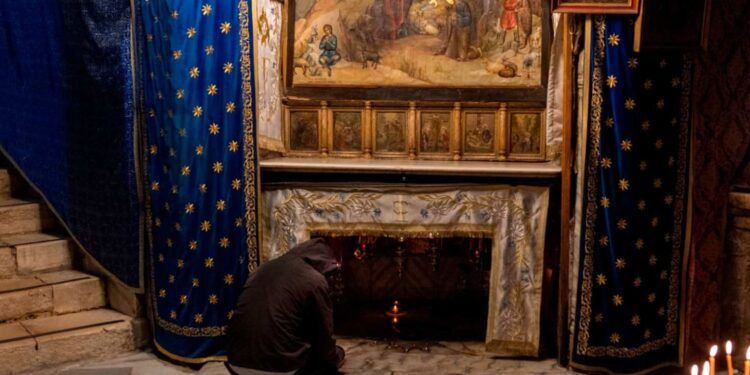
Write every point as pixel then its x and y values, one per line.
pixel 479 133
pixel 435 132
pixel 267 19
pixel 390 131
pixel 417 43
pixel 347 131
pixel 525 132
pixel 303 127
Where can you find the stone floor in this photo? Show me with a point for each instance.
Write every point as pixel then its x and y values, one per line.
pixel 364 357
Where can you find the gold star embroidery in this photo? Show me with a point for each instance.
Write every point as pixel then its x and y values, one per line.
pixel 203 188
pixel 199 150
pixel 645 125
pixel 157 222
pixel 183 299
pixel 654 221
pixel 626 145
pixel 182 132
pixel 162 293
pixel 648 85
pixel 652 260
pixel 213 129
pixel 660 104
pixel 228 279
pixel 175 14
pixel 198 318
pixel 623 184
pixel 213 299
pixel 668 200
pixel 220 205
pixel 194 72
pixel 238 222
pixel 176 54
pixel 233 146
pixel 185 170
pixel 228 67
pixel 652 297
pixel 197 111
pixel 196 282
pixel 671 161
pixel 599 317
pixel 230 107
pixel 180 94
pixel 225 27
pixel 193 244
pixel 639 243
pixel 675 82
pixel 217 167
pixel 209 262
pixel 173 314
pixel 611 81
pixel 236 184
pixel 604 241
pixel 606 163
pixel 205 226
pixel 209 50
pixel 177 227
pixel 647 334
pixel 153 149
pixel 230 314
pixel 610 122
pixel 643 165
pixel 637 282
pixel 601 279
pixel 155 185
pixel 180 263
pixel 630 104
pixel 617 300
pixel 659 144
pixel 189 208
pixel 224 242
pixel 622 224
pixel 604 202
pixel 212 89
pixel 614 39
pixel 657 183
pixel 620 263
pixel 206 9
pixel 664 275
pixel 635 320
pixel 171 279
pixel 614 338
pixel 632 63
pixel 661 311
pixel 190 32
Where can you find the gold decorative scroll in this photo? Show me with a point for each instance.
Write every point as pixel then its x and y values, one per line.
pixel 513 216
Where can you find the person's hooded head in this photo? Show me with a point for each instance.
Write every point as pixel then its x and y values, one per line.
pixel 317 254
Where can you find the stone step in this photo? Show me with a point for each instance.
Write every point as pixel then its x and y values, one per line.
pixel 20 216
pixel 51 293
pixel 27 253
pixel 46 342
pixel 4 184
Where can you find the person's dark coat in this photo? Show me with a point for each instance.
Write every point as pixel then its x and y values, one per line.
pixel 284 317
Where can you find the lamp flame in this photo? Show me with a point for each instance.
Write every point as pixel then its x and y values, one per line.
pixel 714 350
pixel 706 368
pixel 694 370
pixel 747 355
pixel 728 347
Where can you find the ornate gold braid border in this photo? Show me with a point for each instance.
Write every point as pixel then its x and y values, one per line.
pixel 674 310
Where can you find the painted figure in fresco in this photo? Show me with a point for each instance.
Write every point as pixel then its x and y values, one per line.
pixel 283 322
pixel 458 32
pixel 329 55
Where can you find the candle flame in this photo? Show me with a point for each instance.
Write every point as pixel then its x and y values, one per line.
pixel 706 368
pixel 714 350
pixel 728 347
pixel 747 355
pixel 694 370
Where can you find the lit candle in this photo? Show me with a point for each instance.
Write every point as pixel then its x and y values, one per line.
pixel 747 361
pixel 728 348
pixel 706 368
pixel 712 359
pixel 395 320
pixel 694 370
pixel 395 307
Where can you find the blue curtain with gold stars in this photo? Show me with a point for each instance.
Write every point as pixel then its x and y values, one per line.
pixel 67 120
pixel 631 275
pixel 201 169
